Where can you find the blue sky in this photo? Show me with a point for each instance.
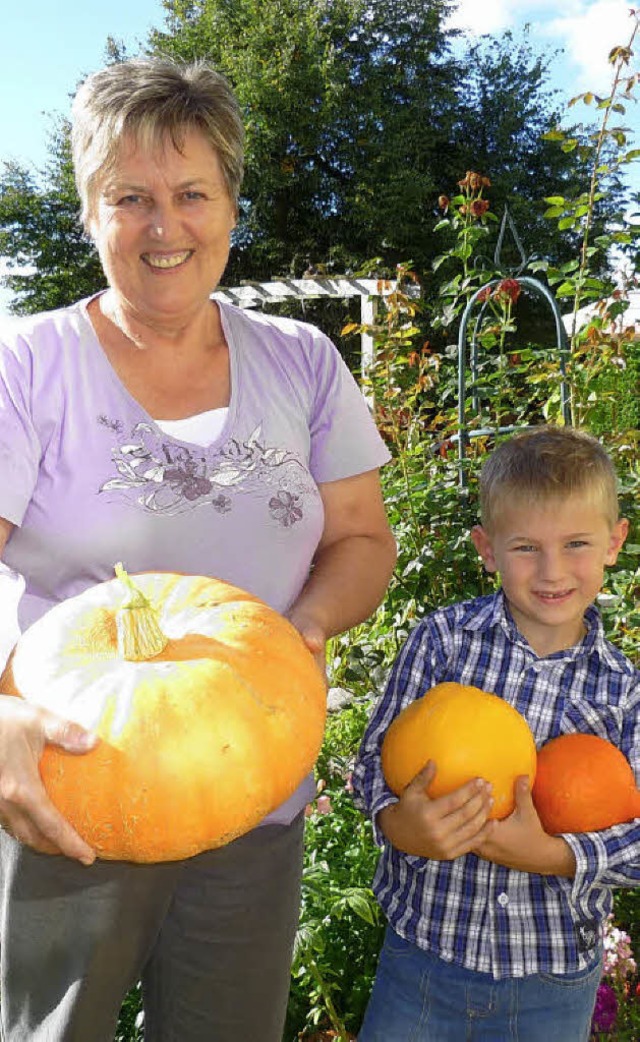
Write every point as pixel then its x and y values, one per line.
pixel 48 46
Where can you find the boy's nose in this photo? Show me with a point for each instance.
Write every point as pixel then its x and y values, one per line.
pixel 551 566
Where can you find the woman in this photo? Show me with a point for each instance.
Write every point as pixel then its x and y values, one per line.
pixel 152 425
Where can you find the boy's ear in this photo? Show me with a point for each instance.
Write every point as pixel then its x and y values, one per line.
pixel 616 540
pixel 482 542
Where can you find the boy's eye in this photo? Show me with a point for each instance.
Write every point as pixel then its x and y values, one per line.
pixel 577 543
pixel 524 548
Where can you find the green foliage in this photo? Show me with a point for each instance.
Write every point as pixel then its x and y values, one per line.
pixel 356 113
pixel 341 928
pixel 596 345
pixel 53 262
pixel 336 93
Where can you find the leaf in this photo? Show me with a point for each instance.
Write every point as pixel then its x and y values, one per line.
pixel 361 905
pixel 566 289
pixel 566 222
pixel 555 200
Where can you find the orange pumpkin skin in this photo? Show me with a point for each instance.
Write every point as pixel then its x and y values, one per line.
pixel 197 744
pixel 583 784
pixel 468 733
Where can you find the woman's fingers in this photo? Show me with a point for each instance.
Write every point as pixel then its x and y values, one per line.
pixel 26 812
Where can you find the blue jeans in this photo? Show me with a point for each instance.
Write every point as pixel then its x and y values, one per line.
pixel 418 997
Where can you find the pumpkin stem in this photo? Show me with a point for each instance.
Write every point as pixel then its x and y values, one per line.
pixel 139 633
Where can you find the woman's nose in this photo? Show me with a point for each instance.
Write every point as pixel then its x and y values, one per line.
pixel 162 222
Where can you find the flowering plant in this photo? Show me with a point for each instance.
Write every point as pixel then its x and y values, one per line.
pixel 617 1010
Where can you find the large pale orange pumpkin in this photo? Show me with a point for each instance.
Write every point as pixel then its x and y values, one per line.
pixel 198 742
pixel 583 784
pixel 468 733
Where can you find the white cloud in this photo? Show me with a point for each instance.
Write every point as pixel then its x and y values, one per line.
pixel 588 31
pixel 491 16
pixel 585 30
pixel 487 17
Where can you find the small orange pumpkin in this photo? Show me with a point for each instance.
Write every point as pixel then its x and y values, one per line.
pixel 583 784
pixel 468 733
pixel 209 707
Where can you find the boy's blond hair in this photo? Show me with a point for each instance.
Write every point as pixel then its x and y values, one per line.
pixel 545 464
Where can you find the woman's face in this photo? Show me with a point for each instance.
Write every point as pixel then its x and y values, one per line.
pixel 162 224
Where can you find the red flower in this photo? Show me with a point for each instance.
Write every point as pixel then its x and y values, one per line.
pixel 479 207
pixel 509 288
pixel 484 294
pixel 474 181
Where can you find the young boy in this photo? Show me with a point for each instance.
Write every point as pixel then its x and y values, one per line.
pixel 495 926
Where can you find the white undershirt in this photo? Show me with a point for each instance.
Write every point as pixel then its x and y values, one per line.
pixel 201 429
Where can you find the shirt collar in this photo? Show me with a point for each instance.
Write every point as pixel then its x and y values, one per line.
pixel 486 613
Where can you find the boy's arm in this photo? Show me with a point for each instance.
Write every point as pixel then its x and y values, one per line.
pixel 520 841
pixel 410 677
pixel 441 829
pixel 609 857
pixel 417 825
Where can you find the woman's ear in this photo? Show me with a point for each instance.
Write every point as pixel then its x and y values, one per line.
pixel 482 542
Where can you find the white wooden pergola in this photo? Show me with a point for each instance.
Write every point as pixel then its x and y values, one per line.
pixel 256 294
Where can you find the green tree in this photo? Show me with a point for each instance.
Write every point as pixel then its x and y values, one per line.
pixel 345 103
pixel 359 114
pixel 502 130
pixel 52 261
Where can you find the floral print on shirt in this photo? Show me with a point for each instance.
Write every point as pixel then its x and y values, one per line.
pixel 166 477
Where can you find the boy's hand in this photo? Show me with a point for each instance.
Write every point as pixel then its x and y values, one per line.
pixel 442 828
pixel 520 841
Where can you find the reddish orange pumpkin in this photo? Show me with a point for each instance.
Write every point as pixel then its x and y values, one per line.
pixel 583 783
pixel 468 733
pixel 209 707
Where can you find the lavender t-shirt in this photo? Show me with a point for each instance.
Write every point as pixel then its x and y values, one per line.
pixel 88 478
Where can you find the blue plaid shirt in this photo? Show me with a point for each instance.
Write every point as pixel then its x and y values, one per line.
pixel 470 911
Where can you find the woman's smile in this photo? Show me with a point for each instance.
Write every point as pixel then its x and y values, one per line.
pixel 167 261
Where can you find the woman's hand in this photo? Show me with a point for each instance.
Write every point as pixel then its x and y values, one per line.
pixel 26 812
pixel 314 637
pixel 442 828
pixel 520 841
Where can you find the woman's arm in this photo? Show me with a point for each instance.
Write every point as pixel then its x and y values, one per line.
pixel 353 563
pixel 25 809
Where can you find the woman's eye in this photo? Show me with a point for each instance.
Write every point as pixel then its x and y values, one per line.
pixel 192 195
pixel 130 200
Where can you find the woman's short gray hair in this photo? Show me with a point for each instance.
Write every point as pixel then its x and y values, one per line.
pixel 150 99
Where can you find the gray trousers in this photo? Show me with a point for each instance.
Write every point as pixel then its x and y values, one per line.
pixel 210 938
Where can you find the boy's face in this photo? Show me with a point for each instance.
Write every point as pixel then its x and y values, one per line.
pixel 551 559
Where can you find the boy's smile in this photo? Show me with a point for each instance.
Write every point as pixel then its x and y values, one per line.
pixel 551 558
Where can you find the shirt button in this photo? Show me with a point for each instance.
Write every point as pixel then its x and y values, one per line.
pixel 503 900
